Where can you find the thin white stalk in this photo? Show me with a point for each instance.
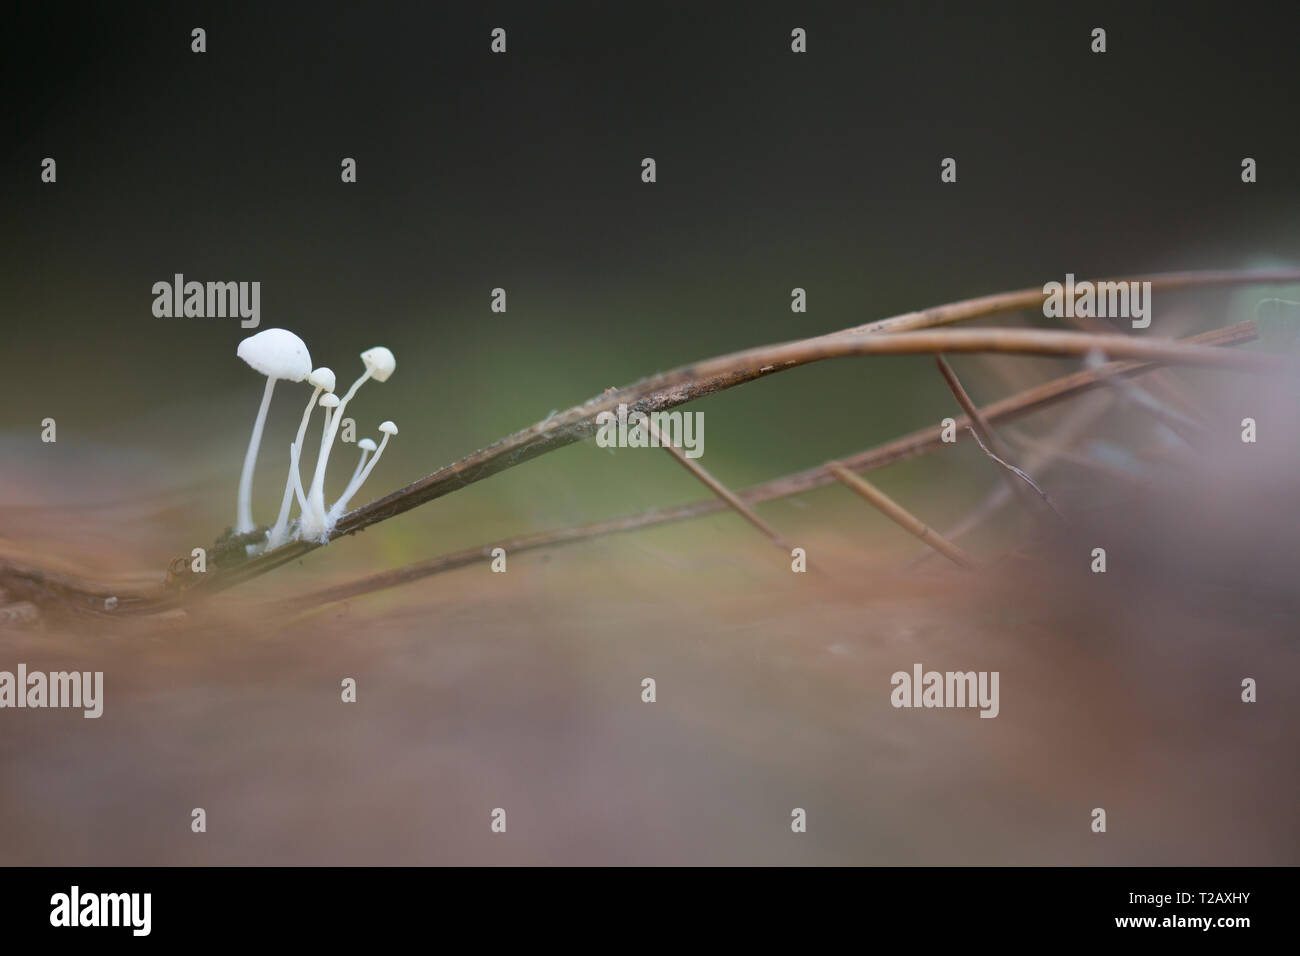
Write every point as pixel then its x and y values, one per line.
pixel 324 434
pixel 279 533
pixel 244 514
pixel 357 481
pixel 313 515
pixel 296 451
pixel 328 440
pixel 361 463
pixel 316 497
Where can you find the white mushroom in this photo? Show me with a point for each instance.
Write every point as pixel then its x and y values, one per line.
pixel 359 479
pixel 323 380
pixel 380 364
pixel 312 523
pixel 367 445
pixel 329 401
pixel 277 354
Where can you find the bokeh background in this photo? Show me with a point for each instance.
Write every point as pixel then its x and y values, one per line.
pixel 522 171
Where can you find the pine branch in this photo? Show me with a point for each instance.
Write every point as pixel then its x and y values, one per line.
pixel 920 442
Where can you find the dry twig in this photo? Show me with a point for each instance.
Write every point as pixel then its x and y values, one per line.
pixel 718 488
pixel 986 438
pixel 1016 473
pixel 896 513
pixel 917 443
pixel 673 388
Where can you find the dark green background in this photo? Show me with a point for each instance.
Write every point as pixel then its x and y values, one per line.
pixel 522 171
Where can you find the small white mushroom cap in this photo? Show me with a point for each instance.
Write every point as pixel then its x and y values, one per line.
pixel 379 363
pixel 360 475
pixel 276 353
pixel 322 378
pixel 329 400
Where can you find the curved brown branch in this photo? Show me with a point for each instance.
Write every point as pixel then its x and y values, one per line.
pixel 919 442
pixel 673 388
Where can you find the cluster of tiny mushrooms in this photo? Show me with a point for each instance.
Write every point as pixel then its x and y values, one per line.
pixel 280 355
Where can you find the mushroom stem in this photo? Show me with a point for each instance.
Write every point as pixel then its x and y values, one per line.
pixel 325 432
pixel 296 452
pixel 316 498
pixel 316 524
pixel 277 535
pixel 361 463
pixel 244 515
pixel 347 396
pixel 312 527
pixel 357 481
pixel 327 440
pixel 280 532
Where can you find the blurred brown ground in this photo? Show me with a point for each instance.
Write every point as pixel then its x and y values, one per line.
pixel 522 691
